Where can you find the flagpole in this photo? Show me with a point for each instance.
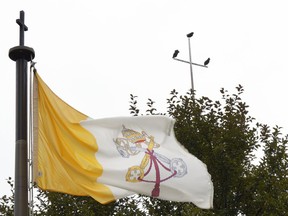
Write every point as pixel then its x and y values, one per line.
pixel 21 55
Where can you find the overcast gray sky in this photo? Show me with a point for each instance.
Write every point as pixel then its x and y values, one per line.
pixel 93 54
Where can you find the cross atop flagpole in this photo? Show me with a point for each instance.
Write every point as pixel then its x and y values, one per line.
pixel 176 52
pixel 21 55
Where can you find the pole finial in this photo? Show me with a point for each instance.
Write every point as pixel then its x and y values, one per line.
pixel 21 51
pixel 23 27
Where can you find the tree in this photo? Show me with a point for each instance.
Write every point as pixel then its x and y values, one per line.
pixel 222 137
pixel 269 180
pixel 7 202
pixel 225 137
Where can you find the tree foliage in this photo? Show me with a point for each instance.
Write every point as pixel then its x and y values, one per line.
pixel 7 202
pixel 226 138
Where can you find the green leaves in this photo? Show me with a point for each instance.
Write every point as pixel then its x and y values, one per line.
pixel 133 105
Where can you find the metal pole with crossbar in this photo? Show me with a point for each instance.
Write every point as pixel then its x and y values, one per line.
pixel 21 55
pixel 176 52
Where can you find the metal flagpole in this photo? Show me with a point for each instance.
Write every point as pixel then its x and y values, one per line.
pixel 21 55
pixel 191 71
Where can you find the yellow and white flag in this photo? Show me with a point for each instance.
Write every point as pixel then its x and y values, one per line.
pixel 112 158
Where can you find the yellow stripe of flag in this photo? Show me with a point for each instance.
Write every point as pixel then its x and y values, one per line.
pixel 65 151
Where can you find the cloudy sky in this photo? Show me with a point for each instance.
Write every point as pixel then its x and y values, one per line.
pixel 93 54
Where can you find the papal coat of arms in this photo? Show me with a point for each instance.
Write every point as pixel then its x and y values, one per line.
pixel 133 143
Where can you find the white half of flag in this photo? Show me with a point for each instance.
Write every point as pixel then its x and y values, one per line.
pixel 142 155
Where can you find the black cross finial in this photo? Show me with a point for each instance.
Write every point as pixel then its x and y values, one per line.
pixel 23 27
pixel 21 51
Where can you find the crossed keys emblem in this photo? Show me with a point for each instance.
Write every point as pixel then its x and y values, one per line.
pixel 133 143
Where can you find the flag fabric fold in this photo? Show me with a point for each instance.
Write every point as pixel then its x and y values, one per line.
pixel 112 158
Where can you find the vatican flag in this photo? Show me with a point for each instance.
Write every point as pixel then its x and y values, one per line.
pixel 112 158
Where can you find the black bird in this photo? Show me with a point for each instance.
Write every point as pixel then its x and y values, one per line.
pixel 175 53
pixel 190 34
pixel 207 62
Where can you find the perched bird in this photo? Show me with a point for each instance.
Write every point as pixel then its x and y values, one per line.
pixel 190 34
pixel 207 62
pixel 175 53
